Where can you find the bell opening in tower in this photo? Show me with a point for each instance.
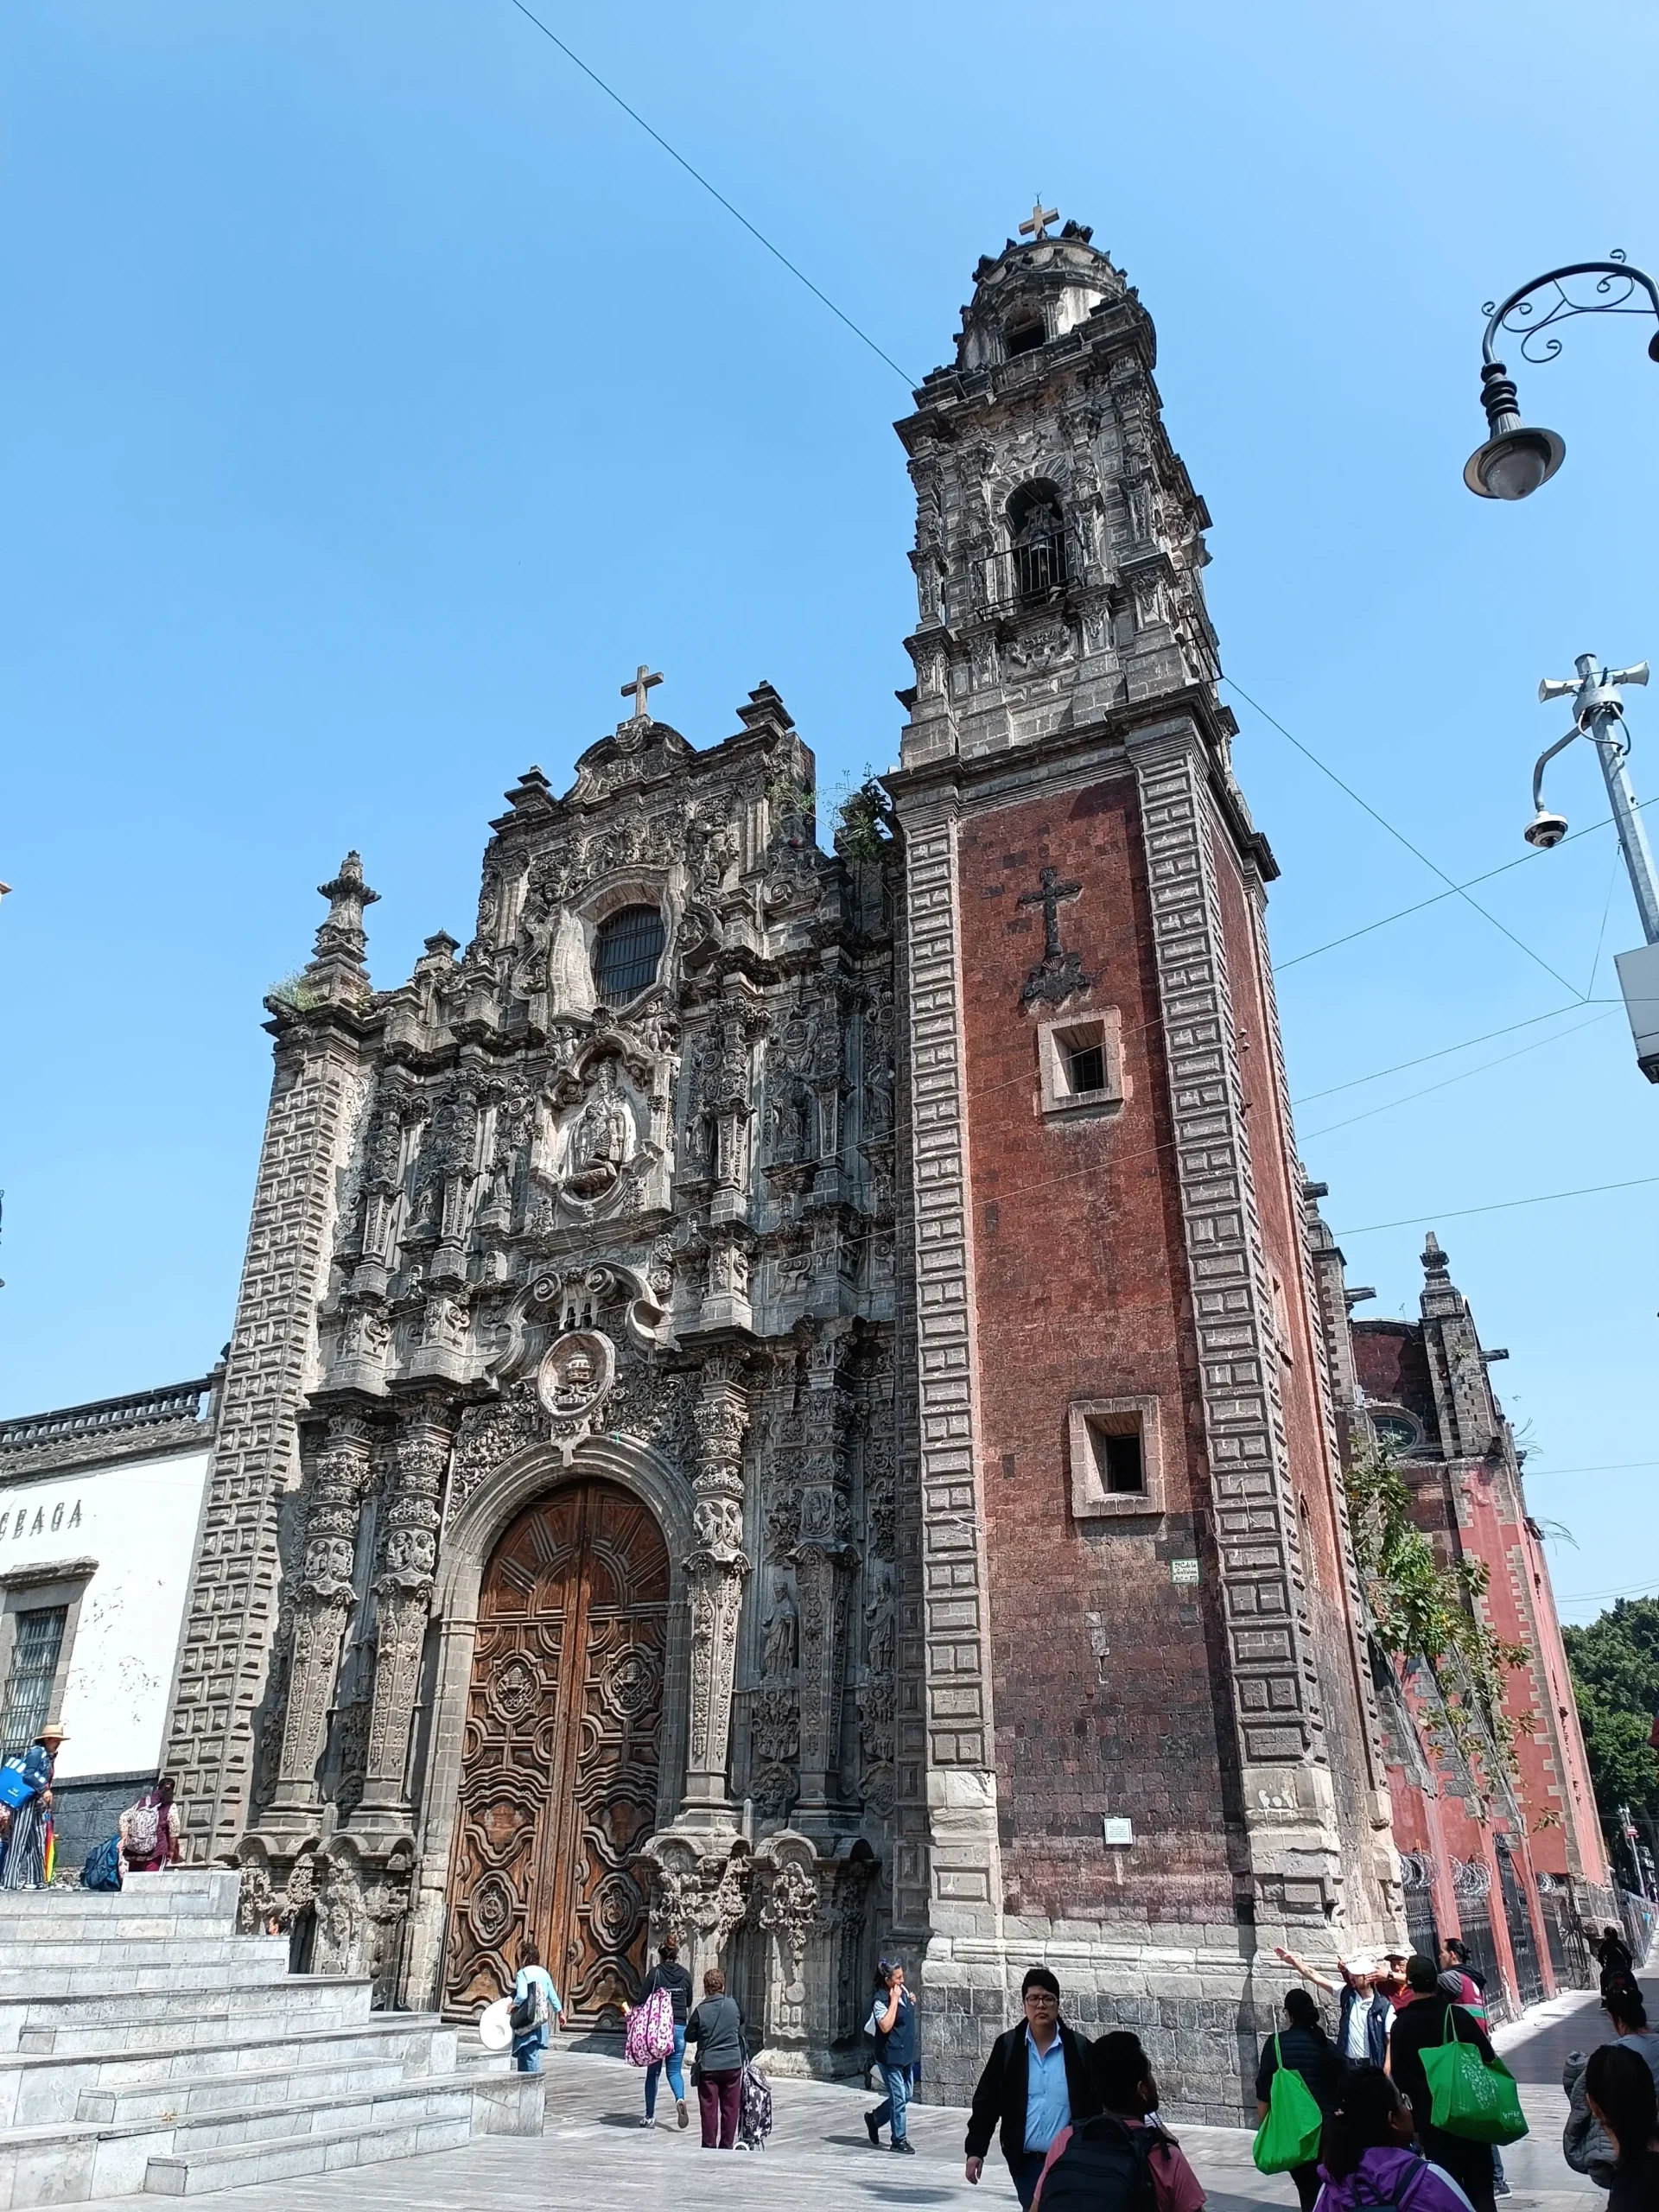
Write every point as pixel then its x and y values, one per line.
pixel 1037 533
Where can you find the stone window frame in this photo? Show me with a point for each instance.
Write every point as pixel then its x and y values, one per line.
pixel 572 984
pixel 34 1588
pixel 1063 1034
pixel 1088 1417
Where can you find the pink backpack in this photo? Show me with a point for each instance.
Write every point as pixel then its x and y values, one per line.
pixel 649 2034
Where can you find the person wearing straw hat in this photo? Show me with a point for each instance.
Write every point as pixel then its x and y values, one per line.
pixel 28 1845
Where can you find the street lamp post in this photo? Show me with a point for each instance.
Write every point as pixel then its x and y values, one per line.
pixel 1597 694
pixel 1516 457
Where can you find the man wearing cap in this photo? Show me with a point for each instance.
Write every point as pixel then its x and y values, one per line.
pixel 28 1845
pixel 1364 2012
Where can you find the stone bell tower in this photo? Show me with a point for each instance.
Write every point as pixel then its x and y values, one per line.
pixel 1145 1737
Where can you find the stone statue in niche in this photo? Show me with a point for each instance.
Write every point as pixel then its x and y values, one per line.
pixel 600 1138
pixel 780 1634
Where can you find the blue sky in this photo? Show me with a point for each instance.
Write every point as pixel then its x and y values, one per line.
pixel 374 395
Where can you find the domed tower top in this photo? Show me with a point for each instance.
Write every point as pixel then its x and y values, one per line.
pixel 1059 538
pixel 1031 292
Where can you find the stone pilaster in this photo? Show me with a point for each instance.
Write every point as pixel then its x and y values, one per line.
pixel 324 1030
pixel 403 1592
pixel 718 1567
pixel 322 1606
pixel 965 1861
pixel 1292 1875
pixel 824 1561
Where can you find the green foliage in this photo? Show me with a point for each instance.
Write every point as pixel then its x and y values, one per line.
pixel 789 796
pixel 1423 1610
pixel 1615 1663
pixel 864 820
pixel 297 994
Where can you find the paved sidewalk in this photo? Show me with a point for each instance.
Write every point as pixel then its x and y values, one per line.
pixel 595 2153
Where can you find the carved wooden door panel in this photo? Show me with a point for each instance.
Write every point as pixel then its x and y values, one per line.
pixel 559 1759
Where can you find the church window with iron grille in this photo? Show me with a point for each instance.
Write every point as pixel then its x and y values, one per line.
pixel 1037 535
pixel 627 952
pixel 34 1669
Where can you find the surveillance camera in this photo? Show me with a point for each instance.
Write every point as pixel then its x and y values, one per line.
pixel 1545 829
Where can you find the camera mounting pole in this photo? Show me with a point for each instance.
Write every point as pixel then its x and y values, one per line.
pixel 1598 714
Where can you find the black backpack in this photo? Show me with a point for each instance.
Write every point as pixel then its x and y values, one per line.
pixel 1106 2167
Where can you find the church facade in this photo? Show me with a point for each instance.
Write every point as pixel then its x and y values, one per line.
pixel 777 1394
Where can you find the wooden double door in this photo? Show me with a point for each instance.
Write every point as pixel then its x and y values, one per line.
pixel 559 1763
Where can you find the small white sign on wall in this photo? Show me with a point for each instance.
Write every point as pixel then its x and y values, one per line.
pixel 1183 1570
pixel 1116 1830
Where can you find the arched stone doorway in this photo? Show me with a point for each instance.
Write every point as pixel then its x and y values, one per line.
pixel 558 1785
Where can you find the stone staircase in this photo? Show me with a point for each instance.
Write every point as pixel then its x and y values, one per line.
pixel 145 2045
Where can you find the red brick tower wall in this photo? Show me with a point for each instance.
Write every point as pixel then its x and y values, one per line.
pixel 1103 1698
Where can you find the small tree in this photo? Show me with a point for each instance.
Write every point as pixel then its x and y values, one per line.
pixel 1423 1610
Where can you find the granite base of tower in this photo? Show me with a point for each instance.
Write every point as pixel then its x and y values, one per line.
pixel 1200 2005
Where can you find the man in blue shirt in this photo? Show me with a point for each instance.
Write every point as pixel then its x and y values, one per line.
pixel 1035 2082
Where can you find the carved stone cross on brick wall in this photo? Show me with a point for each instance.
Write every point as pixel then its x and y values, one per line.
pixel 1058 973
pixel 643 682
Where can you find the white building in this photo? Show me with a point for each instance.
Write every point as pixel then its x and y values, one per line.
pixel 99 1509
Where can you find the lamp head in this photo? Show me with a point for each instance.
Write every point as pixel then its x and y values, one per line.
pixel 1515 463
pixel 1545 829
pixel 1515 460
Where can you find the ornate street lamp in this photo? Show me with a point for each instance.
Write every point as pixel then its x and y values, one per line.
pixel 1517 458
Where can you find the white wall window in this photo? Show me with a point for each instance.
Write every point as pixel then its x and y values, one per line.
pixel 37 1644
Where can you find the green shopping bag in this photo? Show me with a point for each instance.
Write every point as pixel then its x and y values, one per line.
pixel 1289 2136
pixel 1471 2099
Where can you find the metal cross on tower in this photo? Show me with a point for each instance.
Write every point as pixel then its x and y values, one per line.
pixel 643 682
pixel 1058 973
pixel 1041 217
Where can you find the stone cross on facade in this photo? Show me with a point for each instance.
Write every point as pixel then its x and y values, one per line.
pixel 1058 973
pixel 642 683
pixel 1041 217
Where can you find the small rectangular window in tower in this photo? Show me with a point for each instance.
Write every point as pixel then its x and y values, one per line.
pixel 1079 1064
pixel 1085 1069
pixel 1119 1460
pixel 1117 1457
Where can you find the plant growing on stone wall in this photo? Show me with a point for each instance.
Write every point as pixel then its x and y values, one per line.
pixel 297 993
pixel 864 820
pixel 1424 1609
pixel 791 799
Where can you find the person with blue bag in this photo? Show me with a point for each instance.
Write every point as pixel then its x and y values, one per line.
pixel 26 1791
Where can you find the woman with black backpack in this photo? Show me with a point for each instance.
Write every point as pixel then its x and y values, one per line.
pixel 1121 2160
pixel 534 2007
pixel 1301 2047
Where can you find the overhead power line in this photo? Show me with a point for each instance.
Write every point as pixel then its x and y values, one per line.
pixel 1401 838
pixel 1498 1205
pixel 715 193
pixel 1463 1075
pixel 1444 1051
pixel 1605 1468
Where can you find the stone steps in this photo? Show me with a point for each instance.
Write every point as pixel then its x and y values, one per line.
pixel 145 2046
pixel 67 1963
pixel 113 2020
pixel 39 2087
